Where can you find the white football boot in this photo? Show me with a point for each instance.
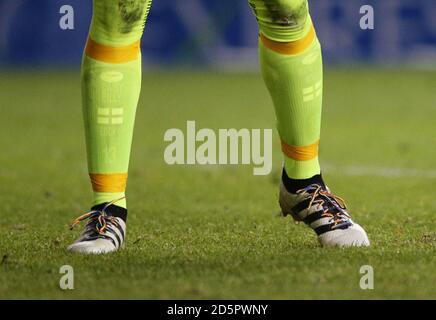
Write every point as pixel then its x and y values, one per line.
pixel 105 231
pixel 325 213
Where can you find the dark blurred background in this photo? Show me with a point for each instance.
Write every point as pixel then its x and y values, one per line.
pixel 221 33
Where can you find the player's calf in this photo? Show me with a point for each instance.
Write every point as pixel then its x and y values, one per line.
pixel 111 83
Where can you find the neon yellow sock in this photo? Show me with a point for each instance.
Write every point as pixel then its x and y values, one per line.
pixel 111 83
pixel 291 63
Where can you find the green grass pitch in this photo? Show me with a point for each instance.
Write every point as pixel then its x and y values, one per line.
pixel 212 232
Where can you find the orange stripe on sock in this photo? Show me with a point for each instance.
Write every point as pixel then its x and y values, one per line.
pixel 109 54
pixel 290 48
pixel 301 153
pixel 111 182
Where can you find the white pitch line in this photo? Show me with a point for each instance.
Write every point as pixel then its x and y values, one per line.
pixel 386 172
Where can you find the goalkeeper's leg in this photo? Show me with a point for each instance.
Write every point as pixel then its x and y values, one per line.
pixel 111 83
pixel 291 63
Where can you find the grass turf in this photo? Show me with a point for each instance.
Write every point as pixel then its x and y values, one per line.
pixel 212 232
